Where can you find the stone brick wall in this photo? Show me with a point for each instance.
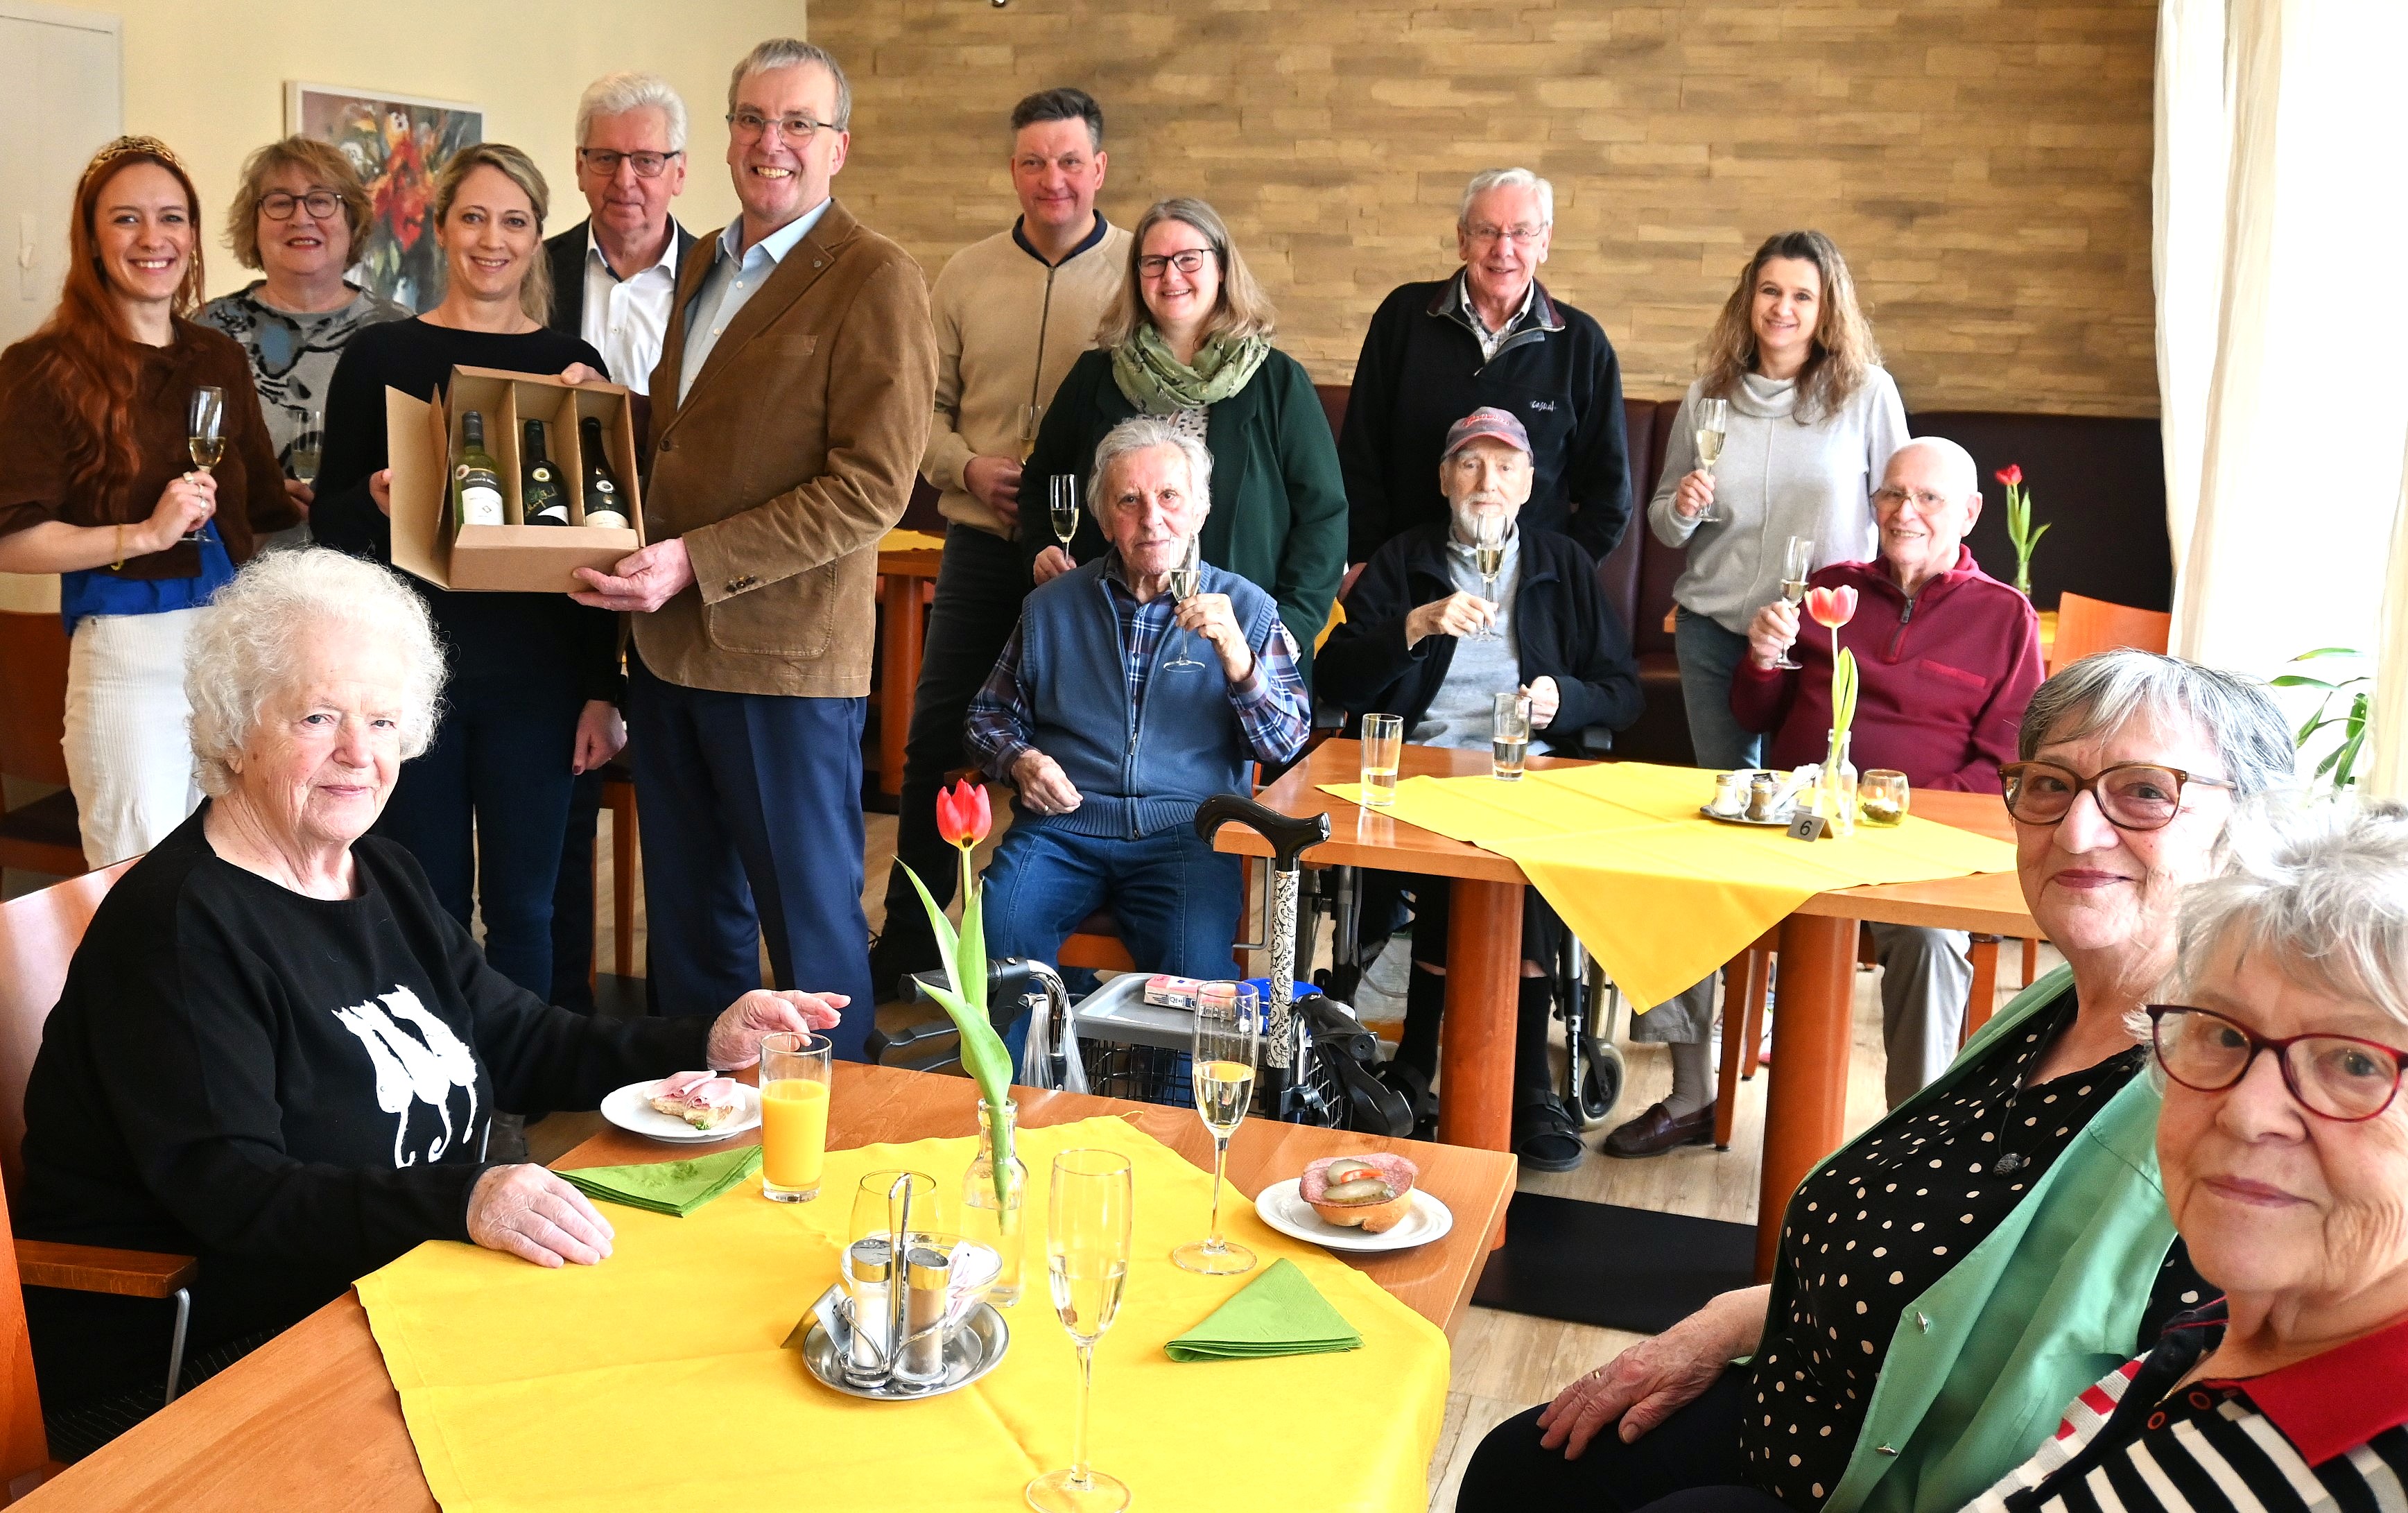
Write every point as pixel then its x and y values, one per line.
pixel 1985 163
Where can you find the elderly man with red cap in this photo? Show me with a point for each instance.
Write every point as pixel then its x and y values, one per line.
pixel 1428 638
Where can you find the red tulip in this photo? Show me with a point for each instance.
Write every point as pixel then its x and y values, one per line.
pixel 1832 607
pixel 2012 474
pixel 964 814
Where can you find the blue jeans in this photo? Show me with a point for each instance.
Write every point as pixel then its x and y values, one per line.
pixel 1708 655
pixel 1176 899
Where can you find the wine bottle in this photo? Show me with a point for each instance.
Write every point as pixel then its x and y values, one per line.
pixel 604 505
pixel 476 478
pixel 540 491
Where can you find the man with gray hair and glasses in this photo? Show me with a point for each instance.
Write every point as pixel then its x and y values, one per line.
pixel 1488 337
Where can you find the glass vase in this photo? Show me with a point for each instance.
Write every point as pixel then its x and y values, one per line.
pixel 1835 790
pixel 992 1220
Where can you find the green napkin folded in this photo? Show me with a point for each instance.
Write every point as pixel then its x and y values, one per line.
pixel 676 1187
pixel 1278 1313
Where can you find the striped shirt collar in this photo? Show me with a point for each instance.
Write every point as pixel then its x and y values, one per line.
pixel 2339 1398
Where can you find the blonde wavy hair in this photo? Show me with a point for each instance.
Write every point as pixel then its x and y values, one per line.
pixel 1243 308
pixel 326 169
pixel 1843 353
pixel 535 290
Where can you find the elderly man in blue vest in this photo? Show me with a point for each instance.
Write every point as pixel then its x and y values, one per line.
pixel 1117 707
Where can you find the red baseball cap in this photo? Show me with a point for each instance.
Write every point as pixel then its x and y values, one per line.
pixel 1485 421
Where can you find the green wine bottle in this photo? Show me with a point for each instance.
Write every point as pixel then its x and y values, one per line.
pixel 476 478
pixel 605 506
pixel 539 490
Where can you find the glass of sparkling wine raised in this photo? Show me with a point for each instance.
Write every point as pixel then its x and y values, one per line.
pixel 1797 564
pixel 795 1071
pixel 1062 504
pixel 1384 746
pixel 1712 420
pixel 1510 741
pixel 1029 417
pixel 1228 1044
pixel 1184 580
pixel 1488 555
pixel 1088 1257
pixel 206 435
pixel 308 444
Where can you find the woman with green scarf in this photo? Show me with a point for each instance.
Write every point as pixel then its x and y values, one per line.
pixel 1189 339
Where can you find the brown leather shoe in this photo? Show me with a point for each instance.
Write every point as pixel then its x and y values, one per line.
pixel 1656 1132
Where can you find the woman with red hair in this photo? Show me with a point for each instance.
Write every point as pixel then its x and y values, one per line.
pixel 97 484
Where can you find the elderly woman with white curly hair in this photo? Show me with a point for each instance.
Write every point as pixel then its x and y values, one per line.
pixel 276 1050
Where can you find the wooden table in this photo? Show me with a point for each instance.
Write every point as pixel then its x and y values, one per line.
pixel 310 1419
pixel 1806 1098
pixel 900 643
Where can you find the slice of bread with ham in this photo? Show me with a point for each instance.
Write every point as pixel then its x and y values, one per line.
pixel 1368 1192
pixel 702 1100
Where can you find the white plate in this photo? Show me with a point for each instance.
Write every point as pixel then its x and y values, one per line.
pixel 1283 1207
pixel 631 1109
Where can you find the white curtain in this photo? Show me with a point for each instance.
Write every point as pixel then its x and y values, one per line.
pixel 2281 256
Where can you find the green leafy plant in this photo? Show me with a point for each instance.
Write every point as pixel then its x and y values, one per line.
pixel 2019 525
pixel 2352 696
pixel 963 819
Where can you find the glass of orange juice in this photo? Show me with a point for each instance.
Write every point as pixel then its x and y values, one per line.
pixel 795 1066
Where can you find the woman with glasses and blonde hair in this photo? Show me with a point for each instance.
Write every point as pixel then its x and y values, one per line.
pixel 301 218
pixel 1950 1278
pixel 535 677
pixel 1189 340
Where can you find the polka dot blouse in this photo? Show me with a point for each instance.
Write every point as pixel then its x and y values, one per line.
pixel 1872 1231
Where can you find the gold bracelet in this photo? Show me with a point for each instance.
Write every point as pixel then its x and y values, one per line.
pixel 119 563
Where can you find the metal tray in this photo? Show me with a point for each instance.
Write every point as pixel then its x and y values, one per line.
pixel 1787 815
pixel 971 1353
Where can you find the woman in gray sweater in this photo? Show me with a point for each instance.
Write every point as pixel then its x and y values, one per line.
pixel 1814 419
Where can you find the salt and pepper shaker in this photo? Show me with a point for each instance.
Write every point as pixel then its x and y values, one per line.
pixel 867 1265
pixel 927 1278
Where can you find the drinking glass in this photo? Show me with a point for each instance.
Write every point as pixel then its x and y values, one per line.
pixel 1488 555
pixel 1062 503
pixel 1223 1055
pixel 1086 1256
pixel 1510 741
pixel 1029 416
pixel 796 1067
pixel 1882 798
pixel 206 437
pixel 1712 418
pixel 1797 564
pixel 1184 580
pixel 309 445
pixel 1384 746
pixel 878 1211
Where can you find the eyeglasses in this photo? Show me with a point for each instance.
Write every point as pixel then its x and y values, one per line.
pixel 2133 796
pixel 279 206
pixel 1923 498
pixel 2338 1077
pixel 751 123
pixel 602 160
pixel 1518 236
pixel 1189 262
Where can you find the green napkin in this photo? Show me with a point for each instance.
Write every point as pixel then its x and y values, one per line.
pixel 676 1187
pixel 1278 1313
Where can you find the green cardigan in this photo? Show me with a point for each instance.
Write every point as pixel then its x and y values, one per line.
pixel 1278 501
pixel 1981 1366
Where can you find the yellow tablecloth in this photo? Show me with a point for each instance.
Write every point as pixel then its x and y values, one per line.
pixel 1658 893
pixel 655 1379
pixel 911 541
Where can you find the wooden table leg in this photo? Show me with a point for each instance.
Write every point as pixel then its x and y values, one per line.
pixel 1483 983
pixel 900 677
pixel 1806 1102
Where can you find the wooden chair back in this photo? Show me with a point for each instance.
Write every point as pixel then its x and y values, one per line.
pixel 2087 627
pixel 24 1449
pixel 38 936
pixel 33 697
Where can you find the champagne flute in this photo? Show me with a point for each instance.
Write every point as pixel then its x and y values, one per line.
pixel 1797 563
pixel 1086 1260
pixel 1712 420
pixel 1227 1046
pixel 309 445
pixel 206 437
pixel 1029 416
pixel 1488 555
pixel 1062 503
pixel 1185 579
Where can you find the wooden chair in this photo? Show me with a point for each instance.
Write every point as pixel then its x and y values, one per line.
pixel 2087 627
pixel 43 836
pixel 39 936
pixel 619 796
pixel 1745 982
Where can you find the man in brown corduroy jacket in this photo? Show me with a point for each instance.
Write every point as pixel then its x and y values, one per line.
pixel 789 409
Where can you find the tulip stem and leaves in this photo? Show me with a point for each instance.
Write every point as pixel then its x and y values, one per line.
pixel 2019 525
pixel 964 818
pixel 2354 695
pixel 1833 608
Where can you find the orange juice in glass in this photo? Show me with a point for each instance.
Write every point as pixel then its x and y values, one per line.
pixel 795 1071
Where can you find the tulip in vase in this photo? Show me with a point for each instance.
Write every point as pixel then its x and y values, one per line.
pixel 1835 790
pixel 2019 525
pixel 995 1190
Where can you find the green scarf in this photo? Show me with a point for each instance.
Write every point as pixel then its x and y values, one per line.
pixel 1158 383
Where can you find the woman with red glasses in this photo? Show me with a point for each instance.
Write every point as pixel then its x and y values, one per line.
pixel 2283 1145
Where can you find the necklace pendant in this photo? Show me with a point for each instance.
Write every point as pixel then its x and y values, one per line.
pixel 2008 1164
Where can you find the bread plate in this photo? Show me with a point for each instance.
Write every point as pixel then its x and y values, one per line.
pixel 1281 1206
pixel 631 1109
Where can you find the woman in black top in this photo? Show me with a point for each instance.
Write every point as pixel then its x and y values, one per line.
pixel 277 1051
pixel 535 677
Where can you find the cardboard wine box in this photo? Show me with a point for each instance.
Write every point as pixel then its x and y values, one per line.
pixel 422 439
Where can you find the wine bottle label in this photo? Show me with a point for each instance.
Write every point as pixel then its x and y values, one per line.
pixel 541 475
pixel 480 497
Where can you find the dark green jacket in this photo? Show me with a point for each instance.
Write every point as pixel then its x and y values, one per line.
pixel 1278 501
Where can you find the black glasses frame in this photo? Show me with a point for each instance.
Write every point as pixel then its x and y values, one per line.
pixel 2011 776
pixel 296 203
pixel 2282 1049
pixel 592 157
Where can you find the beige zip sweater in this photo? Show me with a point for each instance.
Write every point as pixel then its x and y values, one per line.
pixel 1008 329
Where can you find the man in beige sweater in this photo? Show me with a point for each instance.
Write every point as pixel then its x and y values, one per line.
pixel 1011 313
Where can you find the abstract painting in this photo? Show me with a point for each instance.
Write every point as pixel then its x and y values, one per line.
pixel 398 143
